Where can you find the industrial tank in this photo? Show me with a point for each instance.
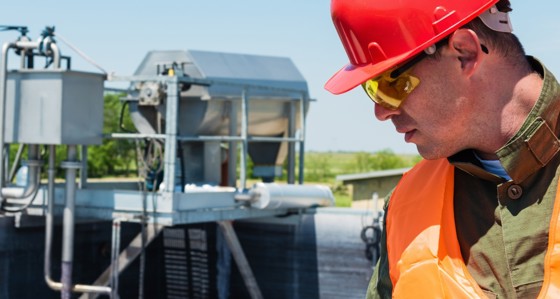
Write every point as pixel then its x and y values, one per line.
pixel 272 85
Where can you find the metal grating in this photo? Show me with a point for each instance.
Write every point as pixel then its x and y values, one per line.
pixel 199 261
pixel 187 263
pixel 176 263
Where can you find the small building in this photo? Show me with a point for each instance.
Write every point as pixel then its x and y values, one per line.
pixel 365 184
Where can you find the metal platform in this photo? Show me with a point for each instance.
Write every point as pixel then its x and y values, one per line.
pixel 159 207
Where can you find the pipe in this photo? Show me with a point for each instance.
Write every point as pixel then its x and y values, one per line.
pixel 26 44
pixel 54 285
pixel 291 145
pixel 302 111
pixel 3 80
pixel 232 148
pixel 71 166
pixel 16 162
pixel 56 55
pixel 84 170
pixel 49 218
pixel 244 143
pixel 115 250
pixel 33 177
pixel 170 153
pixel 276 196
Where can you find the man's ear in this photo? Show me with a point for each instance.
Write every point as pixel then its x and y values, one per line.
pixel 468 49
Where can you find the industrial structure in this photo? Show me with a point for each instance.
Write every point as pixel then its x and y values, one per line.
pixel 365 184
pixel 191 228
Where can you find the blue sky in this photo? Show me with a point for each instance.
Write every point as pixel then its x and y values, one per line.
pixel 118 34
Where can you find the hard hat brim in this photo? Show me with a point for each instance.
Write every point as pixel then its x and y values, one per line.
pixel 350 76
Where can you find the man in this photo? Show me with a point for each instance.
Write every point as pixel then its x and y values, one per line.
pixel 478 218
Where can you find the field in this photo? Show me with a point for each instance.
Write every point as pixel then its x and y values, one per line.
pixel 323 167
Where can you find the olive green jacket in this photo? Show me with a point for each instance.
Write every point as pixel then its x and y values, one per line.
pixel 502 226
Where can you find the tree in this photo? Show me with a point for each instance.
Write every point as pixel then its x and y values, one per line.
pixel 113 157
pixel 381 160
pixel 386 159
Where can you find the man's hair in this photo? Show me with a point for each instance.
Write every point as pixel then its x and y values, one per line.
pixel 504 43
pixel 504 6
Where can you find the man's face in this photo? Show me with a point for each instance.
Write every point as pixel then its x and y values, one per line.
pixel 435 116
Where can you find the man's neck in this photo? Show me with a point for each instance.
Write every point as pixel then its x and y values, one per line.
pixel 507 104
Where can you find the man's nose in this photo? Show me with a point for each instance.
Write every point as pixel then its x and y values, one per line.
pixel 383 113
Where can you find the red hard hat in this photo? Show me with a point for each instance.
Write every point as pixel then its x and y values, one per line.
pixel 380 34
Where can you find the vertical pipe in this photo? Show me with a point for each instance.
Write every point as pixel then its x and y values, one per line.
pixel 244 135
pixel 170 154
pixel 232 148
pixel 115 250
pixel 33 177
pixel 22 60
pixel 3 80
pixel 30 62
pixel 68 225
pixel 49 216
pixel 84 168
pixel 34 173
pixel 291 145
pixel 55 54
pixel 302 111
pixel 144 238
pixel 16 162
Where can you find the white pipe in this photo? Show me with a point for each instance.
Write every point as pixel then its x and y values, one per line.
pixel 26 44
pixel 33 177
pixel 56 55
pixel 276 196
pixel 71 166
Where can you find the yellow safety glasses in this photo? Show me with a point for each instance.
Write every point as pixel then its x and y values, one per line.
pixel 390 92
pixel 391 88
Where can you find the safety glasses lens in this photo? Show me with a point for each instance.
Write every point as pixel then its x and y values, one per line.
pixel 390 92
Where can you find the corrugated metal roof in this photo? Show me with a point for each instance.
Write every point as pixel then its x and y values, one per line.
pixel 231 72
pixel 215 65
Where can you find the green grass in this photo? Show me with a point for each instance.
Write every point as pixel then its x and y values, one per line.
pixel 323 167
pixel 342 200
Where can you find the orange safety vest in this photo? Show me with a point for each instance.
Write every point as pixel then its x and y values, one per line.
pixel 424 255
